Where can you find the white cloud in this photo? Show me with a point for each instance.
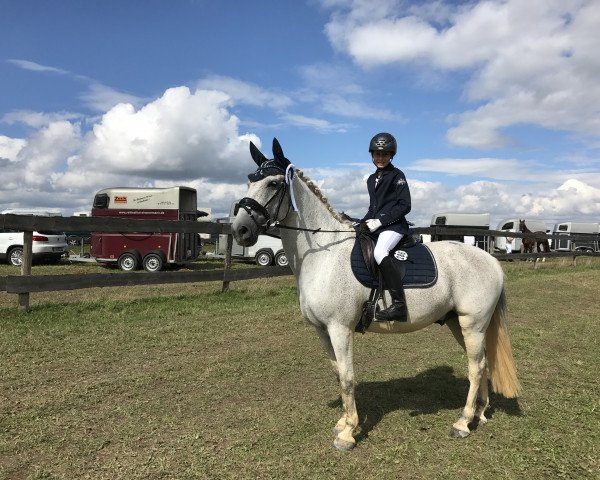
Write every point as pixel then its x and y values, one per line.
pixel 101 98
pixel 183 137
pixel 245 92
pixel 532 62
pixel 10 147
pixel 36 67
pixel 38 119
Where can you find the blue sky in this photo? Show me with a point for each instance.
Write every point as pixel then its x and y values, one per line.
pixel 495 104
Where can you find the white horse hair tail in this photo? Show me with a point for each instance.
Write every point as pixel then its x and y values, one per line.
pixel 501 365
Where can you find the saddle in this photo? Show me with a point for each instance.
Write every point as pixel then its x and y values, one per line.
pixel 415 266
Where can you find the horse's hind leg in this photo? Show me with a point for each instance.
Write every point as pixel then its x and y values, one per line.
pixel 475 348
pixel 483 399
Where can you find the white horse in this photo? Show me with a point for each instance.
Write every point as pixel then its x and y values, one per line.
pixel 470 286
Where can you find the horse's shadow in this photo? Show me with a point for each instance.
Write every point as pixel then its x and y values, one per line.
pixel 426 393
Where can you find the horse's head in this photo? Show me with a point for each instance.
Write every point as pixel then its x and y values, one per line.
pixel 522 226
pixel 262 205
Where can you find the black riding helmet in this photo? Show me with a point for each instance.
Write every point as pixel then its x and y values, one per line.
pixel 383 142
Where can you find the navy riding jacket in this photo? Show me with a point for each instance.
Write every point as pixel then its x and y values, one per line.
pixel 389 202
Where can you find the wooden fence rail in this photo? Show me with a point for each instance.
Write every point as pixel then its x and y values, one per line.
pixel 25 284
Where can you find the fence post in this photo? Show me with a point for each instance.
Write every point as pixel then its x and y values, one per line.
pixel 23 300
pixel 228 249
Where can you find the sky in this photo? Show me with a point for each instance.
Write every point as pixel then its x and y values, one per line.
pixel 495 105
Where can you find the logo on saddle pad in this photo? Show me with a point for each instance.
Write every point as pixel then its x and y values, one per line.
pixel 400 255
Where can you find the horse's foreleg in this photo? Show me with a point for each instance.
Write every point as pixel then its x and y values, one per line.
pixel 475 347
pixel 342 341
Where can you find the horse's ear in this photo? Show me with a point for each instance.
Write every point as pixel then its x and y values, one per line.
pixel 278 152
pixel 256 154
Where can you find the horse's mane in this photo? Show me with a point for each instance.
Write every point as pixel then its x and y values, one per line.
pixel 312 186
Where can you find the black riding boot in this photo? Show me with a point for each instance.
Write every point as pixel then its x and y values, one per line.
pixel 397 310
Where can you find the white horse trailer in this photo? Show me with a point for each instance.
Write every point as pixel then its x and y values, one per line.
pixel 266 251
pixel 591 230
pixel 512 225
pixel 480 221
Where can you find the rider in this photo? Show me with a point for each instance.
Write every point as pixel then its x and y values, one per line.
pixel 389 202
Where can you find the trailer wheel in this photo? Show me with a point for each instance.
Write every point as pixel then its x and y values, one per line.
pixel 128 262
pixel 153 262
pixel 281 259
pixel 264 258
pixel 15 256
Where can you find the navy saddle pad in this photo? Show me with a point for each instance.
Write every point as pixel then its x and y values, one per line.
pixel 421 270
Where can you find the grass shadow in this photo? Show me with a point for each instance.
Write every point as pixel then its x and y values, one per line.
pixel 426 393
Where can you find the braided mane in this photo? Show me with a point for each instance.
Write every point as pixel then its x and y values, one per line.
pixel 312 186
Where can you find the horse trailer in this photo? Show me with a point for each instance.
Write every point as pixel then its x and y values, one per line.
pixel 151 250
pixel 591 230
pixel 512 225
pixel 479 221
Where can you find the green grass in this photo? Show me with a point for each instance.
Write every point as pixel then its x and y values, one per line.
pixel 184 382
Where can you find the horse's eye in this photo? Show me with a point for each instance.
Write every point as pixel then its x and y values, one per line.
pixel 272 184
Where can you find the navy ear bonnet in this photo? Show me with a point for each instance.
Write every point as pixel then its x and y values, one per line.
pixel 267 167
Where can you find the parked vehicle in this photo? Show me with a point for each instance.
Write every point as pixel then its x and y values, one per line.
pixel 512 225
pixel 480 221
pixel 48 246
pixel 266 251
pixel 591 230
pixel 151 250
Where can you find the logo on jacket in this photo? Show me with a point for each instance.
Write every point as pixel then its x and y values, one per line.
pixel 401 181
pixel 400 255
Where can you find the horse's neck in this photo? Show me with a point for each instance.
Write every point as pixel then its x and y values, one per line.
pixel 313 213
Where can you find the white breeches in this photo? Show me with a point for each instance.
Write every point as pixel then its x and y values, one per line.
pixel 386 241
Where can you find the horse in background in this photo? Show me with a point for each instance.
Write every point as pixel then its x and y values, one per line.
pixel 536 240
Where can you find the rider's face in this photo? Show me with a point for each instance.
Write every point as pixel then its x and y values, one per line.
pixel 381 159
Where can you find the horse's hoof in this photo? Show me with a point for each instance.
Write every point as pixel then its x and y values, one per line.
pixel 343 445
pixel 456 433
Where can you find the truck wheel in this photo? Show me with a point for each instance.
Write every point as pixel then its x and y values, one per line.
pixel 153 262
pixel 15 256
pixel 128 262
pixel 264 258
pixel 281 259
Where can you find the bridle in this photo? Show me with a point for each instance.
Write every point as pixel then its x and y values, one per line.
pixel 252 207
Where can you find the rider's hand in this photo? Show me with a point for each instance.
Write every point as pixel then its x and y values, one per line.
pixel 373 224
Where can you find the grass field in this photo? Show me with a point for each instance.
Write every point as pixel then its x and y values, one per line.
pixel 185 382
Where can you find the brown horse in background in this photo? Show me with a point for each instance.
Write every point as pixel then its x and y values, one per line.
pixel 536 239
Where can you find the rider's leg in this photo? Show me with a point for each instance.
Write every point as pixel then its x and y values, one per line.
pixel 397 310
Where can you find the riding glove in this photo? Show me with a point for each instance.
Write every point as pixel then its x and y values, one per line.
pixel 373 224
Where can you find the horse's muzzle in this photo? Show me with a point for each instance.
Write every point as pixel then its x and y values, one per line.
pixel 245 230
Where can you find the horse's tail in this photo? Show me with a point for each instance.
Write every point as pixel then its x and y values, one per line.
pixel 501 364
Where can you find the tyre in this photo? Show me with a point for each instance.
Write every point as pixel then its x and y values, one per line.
pixel 128 262
pixel 264 258
pixel 153 262
pixel 15 256
pixel 281 259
